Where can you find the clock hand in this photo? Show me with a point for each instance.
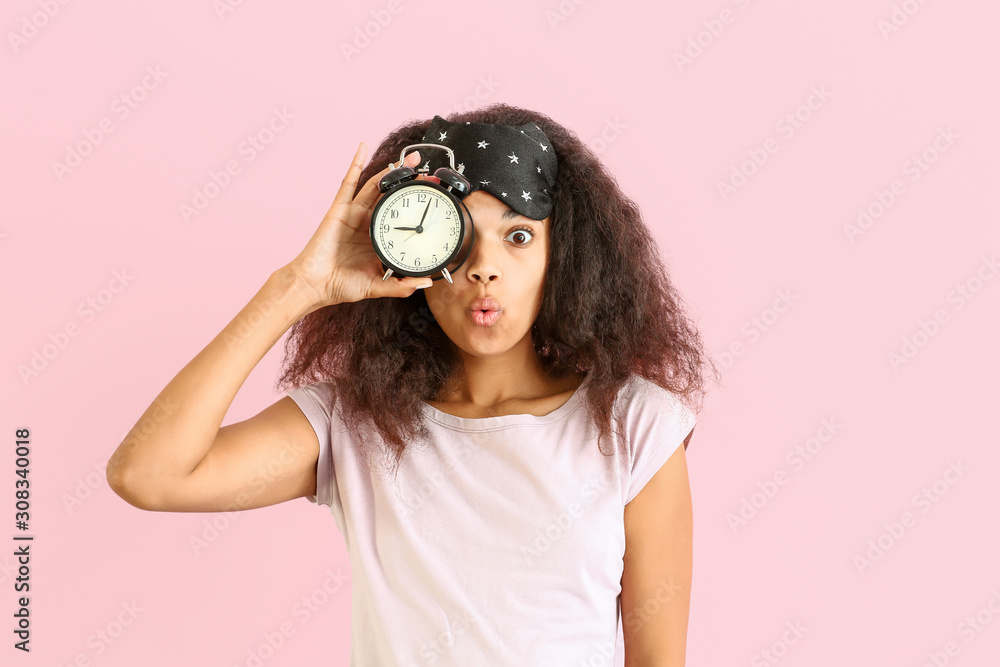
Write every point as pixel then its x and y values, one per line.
pixel 407 229
pixel 420 227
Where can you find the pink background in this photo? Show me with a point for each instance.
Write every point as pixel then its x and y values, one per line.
pixel 671 133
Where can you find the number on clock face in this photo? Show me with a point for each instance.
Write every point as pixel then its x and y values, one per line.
pixel 409 249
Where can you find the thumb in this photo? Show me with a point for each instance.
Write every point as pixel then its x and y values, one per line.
pixel 400 287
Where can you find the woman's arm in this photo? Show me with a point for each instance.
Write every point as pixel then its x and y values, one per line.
pixel 176 457
pixel 656 582
pixel 153 467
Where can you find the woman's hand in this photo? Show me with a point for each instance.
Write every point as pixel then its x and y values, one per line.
pixel 339 263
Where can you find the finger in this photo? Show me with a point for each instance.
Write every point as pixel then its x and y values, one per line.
pixel 397 286
pixel 350 181
pixel 369 193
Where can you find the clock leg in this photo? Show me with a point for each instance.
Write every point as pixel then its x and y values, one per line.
pixel 447 276
pixel 388 272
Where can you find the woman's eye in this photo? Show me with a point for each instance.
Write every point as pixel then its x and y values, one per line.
pixel 522 236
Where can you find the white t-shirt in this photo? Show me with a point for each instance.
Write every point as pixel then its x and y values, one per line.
pixel 501 540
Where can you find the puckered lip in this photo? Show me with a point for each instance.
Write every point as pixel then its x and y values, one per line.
pixel 487 303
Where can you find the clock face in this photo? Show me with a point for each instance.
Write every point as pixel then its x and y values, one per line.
pixel 401 212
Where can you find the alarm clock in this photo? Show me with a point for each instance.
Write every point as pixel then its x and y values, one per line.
pixel 419 227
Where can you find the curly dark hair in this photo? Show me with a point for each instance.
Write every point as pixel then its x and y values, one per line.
pixel 608 309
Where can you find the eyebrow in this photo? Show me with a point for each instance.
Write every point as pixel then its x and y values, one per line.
pixel 510 214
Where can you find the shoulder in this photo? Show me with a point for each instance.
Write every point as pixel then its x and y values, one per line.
pixel 655 418
pixel 643 400
pixel 322 392
pixel 317 400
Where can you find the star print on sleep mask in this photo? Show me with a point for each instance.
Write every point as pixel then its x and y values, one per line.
pixel 515 164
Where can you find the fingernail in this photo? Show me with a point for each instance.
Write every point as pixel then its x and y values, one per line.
pixel 425 286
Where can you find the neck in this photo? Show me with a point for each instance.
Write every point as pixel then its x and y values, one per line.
pixel 488 381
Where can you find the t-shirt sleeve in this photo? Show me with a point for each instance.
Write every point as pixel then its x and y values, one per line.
pixel 316 401
pixel 658 426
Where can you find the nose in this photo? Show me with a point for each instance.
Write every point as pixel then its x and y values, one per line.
pixel 483 265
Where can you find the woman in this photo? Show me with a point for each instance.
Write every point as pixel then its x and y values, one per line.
pixel 517 527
